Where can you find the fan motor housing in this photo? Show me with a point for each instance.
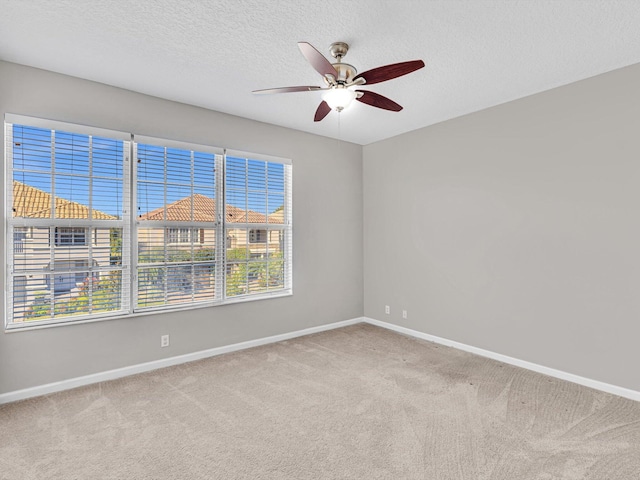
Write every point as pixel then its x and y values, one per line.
pixel 345 71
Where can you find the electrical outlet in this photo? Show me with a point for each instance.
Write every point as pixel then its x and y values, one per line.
pixel 164 341
pixel 404 314
pixel 387 310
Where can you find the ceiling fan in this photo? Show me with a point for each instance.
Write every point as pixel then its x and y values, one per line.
pixel 342 78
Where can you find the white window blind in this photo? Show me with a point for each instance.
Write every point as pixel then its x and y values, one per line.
pixel 67 222
pixel 257 225
pixel 177 223
pixel 99 225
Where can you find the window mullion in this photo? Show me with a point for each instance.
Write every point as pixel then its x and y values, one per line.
pixel 165 277
pixel 128 252
pixel 90 230
pixel 191 232
pixel 246 226
pixel 52 267
pixel 9 277
pixel 53 174
pixel 288 232
pixel 52 230
pixel 221 227
pixel 135 273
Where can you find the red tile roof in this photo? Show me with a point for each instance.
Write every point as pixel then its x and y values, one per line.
pixel 31 202
pixel 204 209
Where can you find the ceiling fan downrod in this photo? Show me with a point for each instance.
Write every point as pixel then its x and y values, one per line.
pixel 345 71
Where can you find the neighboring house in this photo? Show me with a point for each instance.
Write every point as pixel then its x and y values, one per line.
pixel 254 243
pixel 258 240
pixel 72 247
pixel 35 247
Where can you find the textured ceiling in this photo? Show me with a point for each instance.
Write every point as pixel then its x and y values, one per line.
pixel 214 53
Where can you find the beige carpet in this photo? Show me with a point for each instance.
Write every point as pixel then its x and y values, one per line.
pixel 359 402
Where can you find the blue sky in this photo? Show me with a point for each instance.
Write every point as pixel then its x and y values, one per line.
pixel 252 184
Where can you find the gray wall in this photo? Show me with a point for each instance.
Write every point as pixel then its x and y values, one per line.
pixel 514 229
pixel 327 195
pixel 517 229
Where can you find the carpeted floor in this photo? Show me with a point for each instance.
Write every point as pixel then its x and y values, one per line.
pixel 355 403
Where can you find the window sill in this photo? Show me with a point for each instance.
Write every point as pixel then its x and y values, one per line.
pixel 27 326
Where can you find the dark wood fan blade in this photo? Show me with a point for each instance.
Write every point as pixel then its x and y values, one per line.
pixel 395 70
pixel 317 60
pixel 376 100
pixel 322 111
pixel 287 89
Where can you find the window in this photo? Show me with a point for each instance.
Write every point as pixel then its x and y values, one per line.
pixel 178 225
pixel 257 236
pixel 179 235
pixel 66 186
pixel 20 237
pixel 68 236
pixel 185 235
pixel 208 227
pixel 258 226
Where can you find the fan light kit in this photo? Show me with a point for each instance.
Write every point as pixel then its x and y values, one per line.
pixel 339 98
pixel 341 80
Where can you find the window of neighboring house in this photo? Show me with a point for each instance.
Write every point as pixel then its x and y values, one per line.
pixel 20 236
pixel 179 235
pixel 70 236
pixel 257 236
pixel 208 227
pixel 66 184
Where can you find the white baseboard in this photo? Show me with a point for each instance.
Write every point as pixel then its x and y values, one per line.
pixel 587 382
pixel 165 362
pixel 190 357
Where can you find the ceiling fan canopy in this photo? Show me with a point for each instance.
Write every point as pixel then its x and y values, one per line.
pixel 341 80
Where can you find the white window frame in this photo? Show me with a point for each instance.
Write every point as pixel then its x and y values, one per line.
pixel 90 225
pixel 129 224
pixel 285 227
pixel 169 225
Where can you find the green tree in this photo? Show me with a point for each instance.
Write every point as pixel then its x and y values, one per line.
pixel 275 275
pixel 237 271
pixel 115 243
pixel 41 306
pixel 156 275
pixel 101 294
